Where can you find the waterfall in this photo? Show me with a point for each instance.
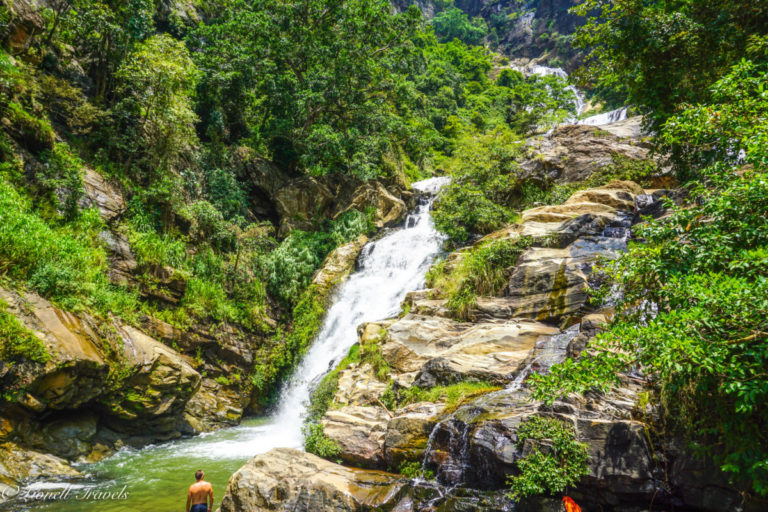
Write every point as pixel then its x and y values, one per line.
pixel 614 116
pixel 388 269
pixel 579 101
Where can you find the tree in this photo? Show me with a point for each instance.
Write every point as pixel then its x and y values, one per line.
pixel 455 24
pixel 154 119
pixel 664 53
pixel 311 82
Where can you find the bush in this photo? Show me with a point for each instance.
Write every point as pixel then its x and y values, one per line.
pixel 289 268
pixel 415 470
pixel 481 193
pixel 548 472
pixel 453 395
pixel 17 343
pixel 482 270
pixel 33 133
pixel 63 263
pixel 152 249
pixel 316 442
pixel 62 176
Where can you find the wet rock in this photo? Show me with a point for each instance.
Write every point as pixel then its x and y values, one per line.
pixel 550 284
pixel 18 465
pixel 408 433
pixel 338 264
pixel 286 479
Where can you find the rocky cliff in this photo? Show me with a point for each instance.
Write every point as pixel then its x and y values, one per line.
pixel 446 402
pixel 536 29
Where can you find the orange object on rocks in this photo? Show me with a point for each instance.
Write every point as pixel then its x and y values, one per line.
pixel 570 505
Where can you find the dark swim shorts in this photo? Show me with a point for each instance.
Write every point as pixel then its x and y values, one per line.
pixel 200 507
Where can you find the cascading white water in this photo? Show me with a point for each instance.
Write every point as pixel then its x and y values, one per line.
pixel 389 268
pixel 579 100
pixel 614 116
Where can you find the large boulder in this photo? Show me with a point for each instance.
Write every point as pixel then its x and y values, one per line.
pixel 551 284
pixel 572 153
pixel 212 407
pixel 287 479
pixel 159 385
pixel 18 465
pixel 359 431
pixel 305 199
pixel 77 369
pixel 99 374
pixel 338 263
pixel 438 350
pixel 25 22
pixel 101 194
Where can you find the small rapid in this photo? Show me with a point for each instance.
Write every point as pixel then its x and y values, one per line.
pixel 156 477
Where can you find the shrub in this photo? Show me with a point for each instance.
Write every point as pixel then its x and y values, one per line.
pixel 548 471
pixel 415 470
pixel 17 343
pixel 453 395
pixel 33 133
pixel 152 249
pixel 315 441
pixel 482 270
pixel 61 174
pixel 290 266
pixel 63 263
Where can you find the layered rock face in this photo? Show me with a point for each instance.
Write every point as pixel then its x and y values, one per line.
pixel 572 153
pixel 105 384
pixel 472 446
pixel 296 202
pixel 530 30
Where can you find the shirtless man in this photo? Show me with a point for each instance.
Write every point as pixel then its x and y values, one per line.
pixel 199 494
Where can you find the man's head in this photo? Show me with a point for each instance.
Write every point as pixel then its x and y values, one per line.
pixel 199 475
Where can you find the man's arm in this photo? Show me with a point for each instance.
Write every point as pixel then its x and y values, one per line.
pixel 210 495
pixel 189 498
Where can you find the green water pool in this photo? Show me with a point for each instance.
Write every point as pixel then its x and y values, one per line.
pixel 154 478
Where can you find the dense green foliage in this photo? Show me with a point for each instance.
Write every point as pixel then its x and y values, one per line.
pixel 315 441
pixel 63 263
pixel 660 54
pixel 453 23
pixel 549 471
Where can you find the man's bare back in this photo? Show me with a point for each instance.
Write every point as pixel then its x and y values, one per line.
pixel 199 495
